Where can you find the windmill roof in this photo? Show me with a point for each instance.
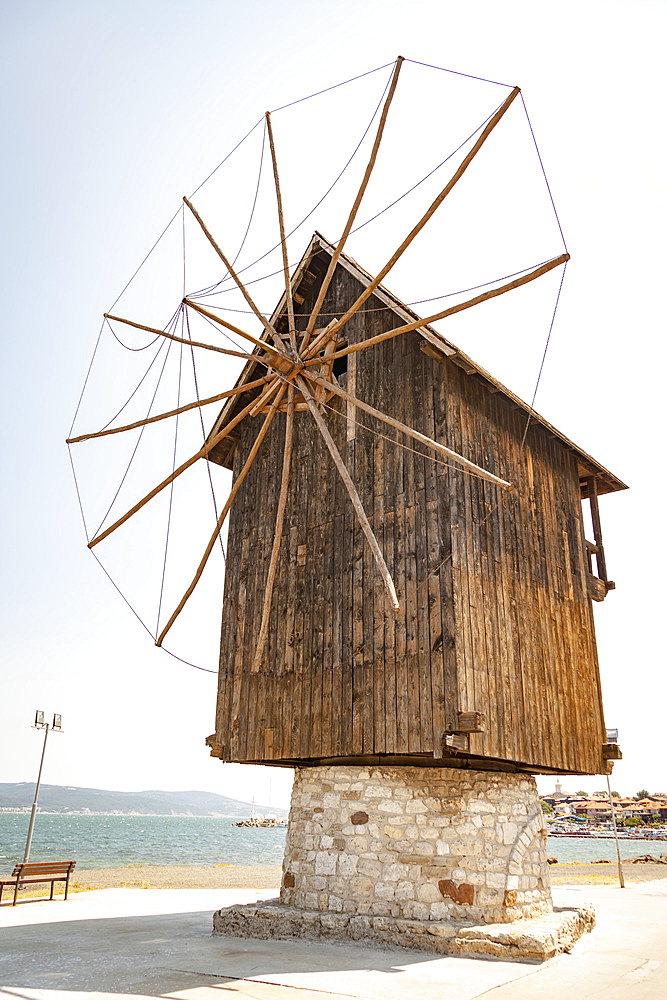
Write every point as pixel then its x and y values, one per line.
pixel 607 482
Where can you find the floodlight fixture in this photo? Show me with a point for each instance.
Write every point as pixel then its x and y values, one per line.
pixel 57 721
pixel 612 736
pixel 39 719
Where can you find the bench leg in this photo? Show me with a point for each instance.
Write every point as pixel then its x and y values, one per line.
pixel 66 885
pixel 52 885
pixel 16 892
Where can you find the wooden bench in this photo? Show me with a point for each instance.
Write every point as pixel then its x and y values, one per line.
pixel 48 871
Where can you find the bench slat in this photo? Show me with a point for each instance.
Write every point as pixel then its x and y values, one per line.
pixel 43 868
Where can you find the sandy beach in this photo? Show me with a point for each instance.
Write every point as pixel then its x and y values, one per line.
pixel 179 877
pixel 268 876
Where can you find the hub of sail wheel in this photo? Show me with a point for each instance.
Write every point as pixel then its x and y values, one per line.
pixel 321 348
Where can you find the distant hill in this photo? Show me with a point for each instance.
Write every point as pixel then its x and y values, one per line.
pixel 61 798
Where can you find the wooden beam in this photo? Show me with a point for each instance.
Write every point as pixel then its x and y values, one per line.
pixel 223 514
pixel 217 319
pixel 183 340
pixel 323 336
pixel 410 432
pixel 173 413
pixel 283 242
pixel 467 160
pixel 597 589
pixel 469 722
pixel 355 207
pixel 451 310
pixel 354 496
pixel 244 291
pixel 202 453
pixel 277 537
pixel 597 530
pixel 611 751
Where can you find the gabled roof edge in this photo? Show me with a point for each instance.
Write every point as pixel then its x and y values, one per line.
pixel 610 483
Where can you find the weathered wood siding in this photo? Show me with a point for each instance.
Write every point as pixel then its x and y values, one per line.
pixel 494 614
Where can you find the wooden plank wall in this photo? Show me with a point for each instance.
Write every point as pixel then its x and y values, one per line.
pixel 494 615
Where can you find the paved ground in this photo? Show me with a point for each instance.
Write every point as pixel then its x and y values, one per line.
pixel 157 943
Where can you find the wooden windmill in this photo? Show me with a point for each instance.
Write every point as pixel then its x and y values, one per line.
pixel 408 579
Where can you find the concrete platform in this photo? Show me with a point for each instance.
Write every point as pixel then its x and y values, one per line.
pixel 157 943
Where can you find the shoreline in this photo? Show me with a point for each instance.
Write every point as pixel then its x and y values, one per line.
pixel 223 876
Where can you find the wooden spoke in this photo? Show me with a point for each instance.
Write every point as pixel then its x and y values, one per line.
pixel 451 310
pixel 283 242
pixel 322 337
pixel 218 319
pixel 280 516
pixel 244 291
pixel 172 413
pixel 355 208
pixel 202 453
pixel 183 340
pixel 223 514
pixel 416 435
pixel 354 496
pixel 435 205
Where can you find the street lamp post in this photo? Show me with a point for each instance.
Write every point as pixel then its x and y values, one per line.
pixel 56 725
pixel 612 737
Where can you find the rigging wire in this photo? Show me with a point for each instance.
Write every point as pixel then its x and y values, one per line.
pixel 252 211
pixel 85 381
pixel 544 173
pixel 402 444
pixel 113 583
pixel 416 302
pixel 213 497
pixel 317 205
pixel 544 354
pixel 129 399
pixel 362 225
pixel 171 489
pixel 455 72
pixel 334 86
pixel 224 160
pixel 138 441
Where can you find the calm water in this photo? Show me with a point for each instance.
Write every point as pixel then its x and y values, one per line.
pixel 113 841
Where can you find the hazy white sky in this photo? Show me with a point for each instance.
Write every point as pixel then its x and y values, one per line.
pixel 111 111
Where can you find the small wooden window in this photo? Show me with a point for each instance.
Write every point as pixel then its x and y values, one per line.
pixel 340 365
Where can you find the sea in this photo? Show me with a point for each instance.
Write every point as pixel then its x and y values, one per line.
pixel 101 841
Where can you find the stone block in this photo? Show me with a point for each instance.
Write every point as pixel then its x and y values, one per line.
pixel 395 872
pixel 414 806
pixel 366 866
pixel 326 863
pixel 405 890
pixel 393 832
pixel 347 864
pixel 428 892
pixel 377 791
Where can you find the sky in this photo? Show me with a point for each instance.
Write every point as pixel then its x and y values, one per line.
pixel 111 112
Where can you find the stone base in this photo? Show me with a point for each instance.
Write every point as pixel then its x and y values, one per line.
pixel 535 940
pixel 434 844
